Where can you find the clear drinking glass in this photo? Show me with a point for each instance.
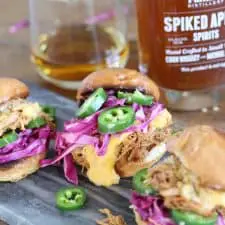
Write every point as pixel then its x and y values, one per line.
pixel 71 38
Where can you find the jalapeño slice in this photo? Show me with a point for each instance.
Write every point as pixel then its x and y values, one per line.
pixel 125 95
pixel 136 97
pixel 51 111
pixel 116 119
pixel 140 185
pixel 190 218
pixel 36 123
pixel 72 198
pixel 8 138
pixel 142 99
pixel 92 104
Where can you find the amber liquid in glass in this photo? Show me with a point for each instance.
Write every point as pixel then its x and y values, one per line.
pixel 73 51
pixel 182 42
pixel 182 48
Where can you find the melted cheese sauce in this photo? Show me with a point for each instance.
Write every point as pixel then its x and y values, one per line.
pixel 208 199
pixel 101 171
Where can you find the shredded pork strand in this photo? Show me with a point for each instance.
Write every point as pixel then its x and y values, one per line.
pixel 169 174
pixel 110 218
pixel 137 145
pixel 173 181
pixel 79 157
pixel 17 113
pixel 163 177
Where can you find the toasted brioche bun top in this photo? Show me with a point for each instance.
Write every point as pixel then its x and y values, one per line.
pixel 201 149
pixel 11 88
pixel 118 79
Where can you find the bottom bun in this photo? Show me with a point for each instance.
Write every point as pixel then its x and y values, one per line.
pixel 138 219
pixel 15 171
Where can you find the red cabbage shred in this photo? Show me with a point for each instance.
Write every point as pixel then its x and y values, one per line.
pixel 151 209
pixel 29 143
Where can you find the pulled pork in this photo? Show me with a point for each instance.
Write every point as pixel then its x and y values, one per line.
pixel 181 189
pixel 163 177
pixel 110 218
pixel 134 148
pixel 17 113
pixel 169 174
pixel 137 145
pixel 79 157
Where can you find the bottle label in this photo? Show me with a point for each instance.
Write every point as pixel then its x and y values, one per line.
pixel 195 40
pixel 203 3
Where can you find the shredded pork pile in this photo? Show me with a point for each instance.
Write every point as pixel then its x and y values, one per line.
pixel 110 218
pixel 137 145
pixel 17 113
pixel 134 148
pixel 180 188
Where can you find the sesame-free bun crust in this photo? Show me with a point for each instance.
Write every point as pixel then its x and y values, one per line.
pixel 18 170
pixel 201 149
pixel 11 88
pixel 118 79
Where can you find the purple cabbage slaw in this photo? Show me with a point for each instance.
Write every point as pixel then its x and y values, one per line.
pixel 152 211
pixel 80 132
pixel 29 143
pixel 220 220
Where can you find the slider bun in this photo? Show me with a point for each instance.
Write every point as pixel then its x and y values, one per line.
pixel 11 88
pixel 118 79
pixel 201 149
pixel 15 171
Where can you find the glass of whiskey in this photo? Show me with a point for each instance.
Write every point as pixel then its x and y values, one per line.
pixel 72 38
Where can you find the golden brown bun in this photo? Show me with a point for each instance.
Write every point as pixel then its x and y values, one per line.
pixel 201 149
pixel 18 170
pixel 138 219
pixel 11 88
pixel 118 79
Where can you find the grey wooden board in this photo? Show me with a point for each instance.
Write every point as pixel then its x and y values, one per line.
pixel 31 201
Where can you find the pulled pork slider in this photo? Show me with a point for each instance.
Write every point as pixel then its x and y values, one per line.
pixel 189 186
pixel 120 127
pixel 24 131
